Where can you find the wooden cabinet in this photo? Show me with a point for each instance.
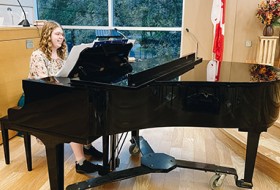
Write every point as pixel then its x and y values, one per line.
pixel 16 46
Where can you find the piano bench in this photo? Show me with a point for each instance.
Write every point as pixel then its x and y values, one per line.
pixel 5 126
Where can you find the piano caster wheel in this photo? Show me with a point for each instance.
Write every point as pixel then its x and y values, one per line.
pixel 217 180
pixel 133 149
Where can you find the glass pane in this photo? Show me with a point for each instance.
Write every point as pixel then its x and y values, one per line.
pixel 154 44
pixel 74 12
pixel 76 37
pixel 148 13
pixel 148 44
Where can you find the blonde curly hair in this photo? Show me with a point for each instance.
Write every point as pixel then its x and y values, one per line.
pixel 46 42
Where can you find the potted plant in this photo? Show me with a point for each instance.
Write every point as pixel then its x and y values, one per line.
pixel 268 13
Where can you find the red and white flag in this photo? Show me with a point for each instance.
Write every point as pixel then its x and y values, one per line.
pixel 218 20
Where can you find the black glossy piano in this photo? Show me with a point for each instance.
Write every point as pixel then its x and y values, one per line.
pixel 148 94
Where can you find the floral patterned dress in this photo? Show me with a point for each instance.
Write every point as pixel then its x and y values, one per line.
pixel 41 67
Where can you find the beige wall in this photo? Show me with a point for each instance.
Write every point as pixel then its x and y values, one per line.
pixel 15 52
pixel 241 25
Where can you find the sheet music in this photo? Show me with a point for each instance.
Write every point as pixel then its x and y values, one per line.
pixel 72 59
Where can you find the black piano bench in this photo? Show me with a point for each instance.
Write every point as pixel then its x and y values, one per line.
pixel 5 126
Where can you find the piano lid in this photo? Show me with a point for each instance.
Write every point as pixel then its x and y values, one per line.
pixel 166 68
pixel 149 70
pixel 231 72
pixel 236 72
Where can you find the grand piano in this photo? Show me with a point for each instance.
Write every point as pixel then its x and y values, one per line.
pixel 147 94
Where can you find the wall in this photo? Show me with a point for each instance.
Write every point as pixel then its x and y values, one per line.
pixel 11 13
pixel 16 46
pixel 241 25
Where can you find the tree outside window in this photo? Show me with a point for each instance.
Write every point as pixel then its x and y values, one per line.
pixel 131 13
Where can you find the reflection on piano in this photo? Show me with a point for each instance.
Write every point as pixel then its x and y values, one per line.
pixel 61 110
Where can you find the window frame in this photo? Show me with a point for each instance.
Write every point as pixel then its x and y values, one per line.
pixel 121 28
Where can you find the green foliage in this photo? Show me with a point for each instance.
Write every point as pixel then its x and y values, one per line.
pixel 138 13
pixel 277 22
pixel 74 12
pixel 148 13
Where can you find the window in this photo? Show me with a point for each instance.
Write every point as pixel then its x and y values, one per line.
pixel 74 12
pixel 149 13
pixel 154 24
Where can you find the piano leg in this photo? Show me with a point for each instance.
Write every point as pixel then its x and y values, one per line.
pixel 27 145
pixel 5 139
pixel 105 145
pixel 251 154
pixel 55 159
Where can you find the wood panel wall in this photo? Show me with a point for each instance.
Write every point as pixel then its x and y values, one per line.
pixel 241 25
pixel 15 50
